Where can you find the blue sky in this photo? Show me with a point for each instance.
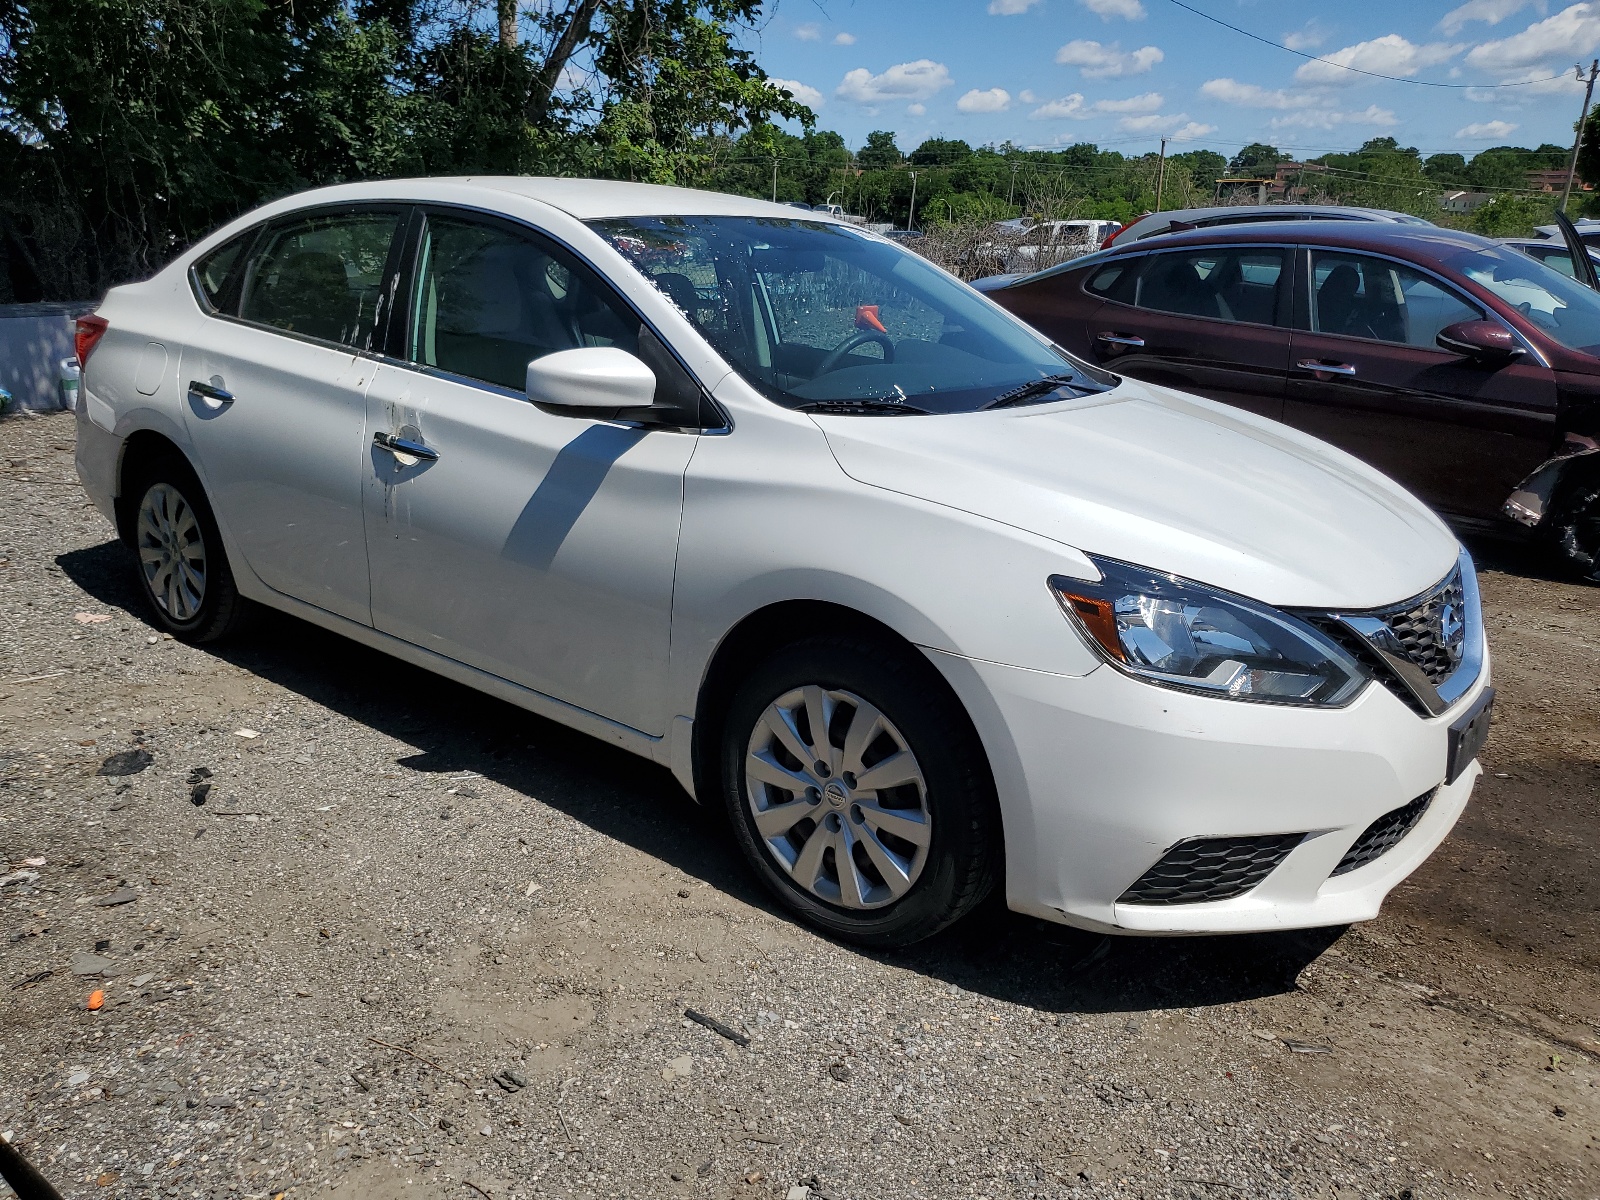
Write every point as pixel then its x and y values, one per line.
pixel 1124 72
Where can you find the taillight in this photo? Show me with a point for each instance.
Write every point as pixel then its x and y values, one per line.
pixel 1111 237
pixel 87 336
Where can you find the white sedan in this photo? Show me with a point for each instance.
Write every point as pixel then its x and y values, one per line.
pixel 927 605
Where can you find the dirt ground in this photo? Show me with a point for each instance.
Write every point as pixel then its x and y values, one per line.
pixel 396 890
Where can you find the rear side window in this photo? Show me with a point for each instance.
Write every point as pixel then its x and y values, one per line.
pixel 1363 297
pixel 211 274
pixel 322 276
pixel 1115 280
pixel 489 300
pixel 1226 283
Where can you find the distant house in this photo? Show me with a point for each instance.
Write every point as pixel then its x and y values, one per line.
pixel 1554 181
pixel 1463 202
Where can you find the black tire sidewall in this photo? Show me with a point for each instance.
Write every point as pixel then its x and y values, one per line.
pixel 221 597
pixel 1580 501
pixel 961 864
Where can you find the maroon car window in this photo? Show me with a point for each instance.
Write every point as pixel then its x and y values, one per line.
pixel 1115 280
pixel 1229 283
pixel 1356 296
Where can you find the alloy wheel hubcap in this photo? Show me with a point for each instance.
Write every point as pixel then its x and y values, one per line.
pixel 172 553
pixel 838 797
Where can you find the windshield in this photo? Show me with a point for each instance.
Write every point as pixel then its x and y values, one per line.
pixel 1563 308
pixel 815 314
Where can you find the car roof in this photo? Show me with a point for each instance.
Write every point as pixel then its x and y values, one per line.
pixel 1225 210
pixel 1374 235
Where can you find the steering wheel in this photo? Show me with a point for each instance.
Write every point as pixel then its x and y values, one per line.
pixel 831 363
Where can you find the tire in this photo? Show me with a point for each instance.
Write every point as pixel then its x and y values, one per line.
pixel 1575 527
pixel 179 562
pixel 924 842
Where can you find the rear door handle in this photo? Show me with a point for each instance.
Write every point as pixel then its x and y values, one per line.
pixel 209 394
pixel 1324 368
pixel 1122 339
pixel 399 445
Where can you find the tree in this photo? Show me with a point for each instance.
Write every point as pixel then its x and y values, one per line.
pixel 879 151
pixel 940 152
pixel 1447 170
pixel 1513 216
pixel 1256 159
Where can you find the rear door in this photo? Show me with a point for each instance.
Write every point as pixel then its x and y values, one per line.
pixel 274 400
pixel 1369 377
pixel 1207 319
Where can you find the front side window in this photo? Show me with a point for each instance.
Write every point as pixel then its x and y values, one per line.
pixel 812 313
pixel 1562 308
pixel 490 299
pixel 1356 296
pixel 322 276
pixel 1225 282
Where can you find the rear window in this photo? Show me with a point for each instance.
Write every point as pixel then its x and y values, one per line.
pixel 210 275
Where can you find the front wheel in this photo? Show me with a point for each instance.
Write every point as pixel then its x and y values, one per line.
pixel 1575 527
pixel 182 568
pixel 858 791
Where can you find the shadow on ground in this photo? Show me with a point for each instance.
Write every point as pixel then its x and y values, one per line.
pixel 993 952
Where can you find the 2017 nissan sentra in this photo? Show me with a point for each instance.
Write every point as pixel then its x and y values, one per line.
pixel 1458 366
pixel 926 603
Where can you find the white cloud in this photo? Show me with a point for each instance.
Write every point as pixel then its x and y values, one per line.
pixel 844 39
pixel 1387 55
pixel 1128 10
pixel 1487 131
pixel 808 32
pixel 992 101
pixel 1176 126
pixel 1324 118
pixel 1251 95
pixel 1192 130
pixel 1026 96
pixel 1148 124
pixel 1308 37
pixel 1074 108
pixel 916 110
pixel 1009 8
pixel 1490 12
pixel 1097 61
pixel 1572 31
pixel 903 81
pixel 804 93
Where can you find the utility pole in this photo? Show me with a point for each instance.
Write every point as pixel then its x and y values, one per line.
pixel 1012 191
pixel 912 216
pixel 1588 94
pixel 1161 174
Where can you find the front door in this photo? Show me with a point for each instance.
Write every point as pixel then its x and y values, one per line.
pixel 535 546
pixel 1211 320
pixel 274 403
pixel 1369 377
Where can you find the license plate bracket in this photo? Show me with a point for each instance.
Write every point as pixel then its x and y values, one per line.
pixel 1468 733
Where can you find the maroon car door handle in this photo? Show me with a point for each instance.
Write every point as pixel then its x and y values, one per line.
pixel 1326 368
pixel 1121 339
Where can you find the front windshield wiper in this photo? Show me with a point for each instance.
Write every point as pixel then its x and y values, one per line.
pixel 881 407
pixel 1034 387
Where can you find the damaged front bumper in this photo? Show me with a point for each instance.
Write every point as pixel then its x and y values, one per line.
pixel 1529 504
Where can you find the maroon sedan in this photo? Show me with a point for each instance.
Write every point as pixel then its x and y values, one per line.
pixel 1463 369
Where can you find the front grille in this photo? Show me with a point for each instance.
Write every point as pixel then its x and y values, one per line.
pixel 1210 869
pixel 1383 835
pixel 1419 629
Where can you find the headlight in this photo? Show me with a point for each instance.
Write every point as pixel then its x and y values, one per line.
pixel 1179 634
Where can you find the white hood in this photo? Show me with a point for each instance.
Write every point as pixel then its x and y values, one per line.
pixel 1168 481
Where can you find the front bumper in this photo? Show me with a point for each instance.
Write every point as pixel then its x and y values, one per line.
pixel 1100 775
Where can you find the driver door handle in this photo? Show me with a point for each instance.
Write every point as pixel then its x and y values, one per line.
pixel 400 445
pixel 1133 341
pixel 1326 368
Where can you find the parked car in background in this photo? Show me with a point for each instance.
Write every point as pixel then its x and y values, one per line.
pixel 1587 228
pixel 921 601
pixel 1046 243
pixel 1464 369
pixel 1552 253
pixel 1177 220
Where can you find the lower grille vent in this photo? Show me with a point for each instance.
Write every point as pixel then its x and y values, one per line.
pixel 1383 835
pixel 1211 869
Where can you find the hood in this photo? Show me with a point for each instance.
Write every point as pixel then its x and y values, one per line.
pixel 1172 482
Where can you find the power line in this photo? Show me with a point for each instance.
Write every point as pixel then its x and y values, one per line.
pixel 1345 67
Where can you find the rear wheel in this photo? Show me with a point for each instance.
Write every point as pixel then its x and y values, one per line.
pixel 182 568
pixel 1575 527
pixel 858 791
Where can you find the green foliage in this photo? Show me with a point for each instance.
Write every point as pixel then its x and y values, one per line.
pixel 879 151
pixel 1513 216
pixel 1257 158
pixel 940 152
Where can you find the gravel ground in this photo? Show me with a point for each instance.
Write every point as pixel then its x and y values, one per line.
pixel 396 891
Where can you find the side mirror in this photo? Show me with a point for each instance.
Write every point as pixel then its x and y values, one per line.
pixel 595 377
pixel 1482 341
